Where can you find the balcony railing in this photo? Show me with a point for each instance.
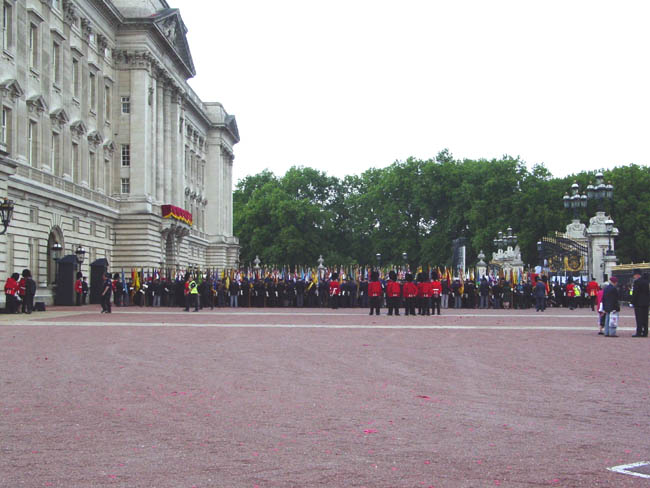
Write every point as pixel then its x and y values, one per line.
pixel 45 178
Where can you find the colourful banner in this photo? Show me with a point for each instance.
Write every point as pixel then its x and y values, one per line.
pixel 176 213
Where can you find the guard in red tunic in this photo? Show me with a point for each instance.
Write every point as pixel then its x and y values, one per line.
pixel 78 288
pixel 410 295
pixel 592 291
pixel 571 294
pixel 424 294
pixel 374 292
pixel 436 292
pixel 393 293
pixel 335 291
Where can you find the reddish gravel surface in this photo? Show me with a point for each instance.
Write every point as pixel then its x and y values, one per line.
pixel 273 398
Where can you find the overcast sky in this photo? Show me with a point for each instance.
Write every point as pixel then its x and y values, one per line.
pixel 347 85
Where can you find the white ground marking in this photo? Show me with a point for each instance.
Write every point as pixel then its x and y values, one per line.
pixel 335 314
pixel 304 326
pixel 624 469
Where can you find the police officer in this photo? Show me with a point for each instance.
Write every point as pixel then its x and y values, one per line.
pixel 193 293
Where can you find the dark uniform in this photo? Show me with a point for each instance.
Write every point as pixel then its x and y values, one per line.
pixel 641 300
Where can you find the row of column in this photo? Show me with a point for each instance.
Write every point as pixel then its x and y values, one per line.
pixel 167 159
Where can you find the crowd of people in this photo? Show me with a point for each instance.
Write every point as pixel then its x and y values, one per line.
pixel 423 293
pixel 487 292
pixel 20 290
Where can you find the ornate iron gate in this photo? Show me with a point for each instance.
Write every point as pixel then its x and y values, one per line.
pixel 565 255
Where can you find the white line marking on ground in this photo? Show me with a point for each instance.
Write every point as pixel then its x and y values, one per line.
pixel 335 314
pixel 306 326
pixel 623 469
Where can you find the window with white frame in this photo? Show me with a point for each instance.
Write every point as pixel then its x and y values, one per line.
pixel 33 46
pixel 92 162
pixel 5 135
pixel 125 186
pixel 107 176
pixel 126 155
pixel 55 163
pixel 126 105
pixel 92 91
pixel 75 78
pixel 32 143
pixel 107 103
pixel 56 63
pixel 75 171
pixel 56 4
pixel 7 25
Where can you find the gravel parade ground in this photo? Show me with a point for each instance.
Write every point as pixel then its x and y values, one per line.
pixel 318 398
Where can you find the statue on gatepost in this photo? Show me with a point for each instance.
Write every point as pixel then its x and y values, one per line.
pixel 481 266
pixel 321 268
pixel 256 262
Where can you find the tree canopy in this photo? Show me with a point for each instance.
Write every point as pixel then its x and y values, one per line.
pixel 419 207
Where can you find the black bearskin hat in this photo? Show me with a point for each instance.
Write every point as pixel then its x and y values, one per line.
pixel 409 277
pixel 374 276
pixel 392 275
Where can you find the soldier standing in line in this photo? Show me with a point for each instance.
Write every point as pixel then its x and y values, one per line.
pixel 363 292
pixel 410 295
pixel 393 293
pixel 436 292
pixel 424 294
pixel 334 291
pixel 300 293
pixel 375 292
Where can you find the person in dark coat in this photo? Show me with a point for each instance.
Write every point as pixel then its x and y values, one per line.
pixel 611 307
pixel 641 300
pixel 540 295
pixel 30 292
pixel 106 293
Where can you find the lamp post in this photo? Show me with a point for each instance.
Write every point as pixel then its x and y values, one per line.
pixel 56 255
pixel 601 192
pixel 576 201
pixel 6 211
pixel 540 253
pixel 81 254
pixel 378 256
pixel 609 227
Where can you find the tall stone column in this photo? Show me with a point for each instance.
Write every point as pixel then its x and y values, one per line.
pixel 160 143
pixel 175 162
pixel 140 184
pixel 168 142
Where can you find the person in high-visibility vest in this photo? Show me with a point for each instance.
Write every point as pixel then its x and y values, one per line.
pixel 194 294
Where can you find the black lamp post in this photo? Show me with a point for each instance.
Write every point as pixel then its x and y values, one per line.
pixel 510 238
pixel 81 254
pixel 56 255
pixel 540 253
pixel 405 257
pixel 609 226
pixel 6 211
pixel 576 201
pixel 600 192
pixel 378 256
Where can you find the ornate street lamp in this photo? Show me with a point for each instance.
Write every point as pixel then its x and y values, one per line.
pixel 600 192
pixel 576 201
pixel 511 239
pixel 6 211
pixel 609 227
pixel 378 256
pixel 540 252
pixel 81 254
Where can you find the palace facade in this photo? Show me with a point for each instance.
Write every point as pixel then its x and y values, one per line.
pixel 103 143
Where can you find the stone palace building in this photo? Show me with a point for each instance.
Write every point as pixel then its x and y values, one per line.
pixel 103 143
